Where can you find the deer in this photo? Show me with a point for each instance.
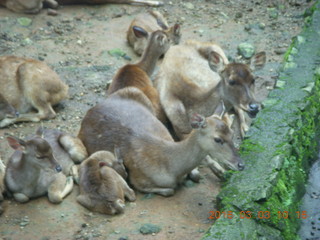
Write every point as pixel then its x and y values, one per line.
pixel 102 185
pixel 35 6
pixel 144 24
pixel 2 186
pixel 32 171
pixel 28 84
pixel 194 77
pixel 138 74
pixel 67 150
pixel 154 161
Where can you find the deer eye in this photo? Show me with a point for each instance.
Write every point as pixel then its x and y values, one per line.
pixel 232 82
pixel 218 140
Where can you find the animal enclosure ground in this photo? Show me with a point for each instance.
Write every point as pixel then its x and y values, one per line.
pixel 76 43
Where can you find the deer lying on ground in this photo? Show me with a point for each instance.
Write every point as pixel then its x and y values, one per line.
pixel 32 171
pixel 27 84
pixel 67 150
pixel 193 77
pixel 144 24
pixel 138 75
pixel 34 6
pixel 2 187
pixel 155 162
pixel 102 188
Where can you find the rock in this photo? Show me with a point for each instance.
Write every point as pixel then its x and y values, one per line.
pixel 238 15
pixel 24 21
pixel 189 184
pixel 246 50
pixel 52 12
pixel 149 228
pixel 189 5
pixel 273 13
pixel 280 51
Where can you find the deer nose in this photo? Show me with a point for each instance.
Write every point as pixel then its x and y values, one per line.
pixel 254 107
pixel 58 168
pixel 241 166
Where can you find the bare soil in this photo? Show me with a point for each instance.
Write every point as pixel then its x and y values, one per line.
pixel 76 44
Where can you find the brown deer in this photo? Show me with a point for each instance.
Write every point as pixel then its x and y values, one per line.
pixel 155 162
pixel 34 6
pixel 144 24
pixel 138 75
pixel 27 84
pixel 32 171
pixel 67 150
pixel 193 77
pixel 2 187
pixel 102 189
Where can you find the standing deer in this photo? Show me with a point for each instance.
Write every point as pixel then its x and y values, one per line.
pixel 67 150
pixel 195 76
pixel 144 24
pixel 155 162
pixel 32 171
pixel 138 75
pixel 27 84
pixel 102 189
pixel 34 6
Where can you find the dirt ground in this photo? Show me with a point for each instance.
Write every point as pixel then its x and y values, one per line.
pixel 76 44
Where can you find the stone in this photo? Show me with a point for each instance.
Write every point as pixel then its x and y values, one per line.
pixel 149 228
pixel 24 21
pixel 246 50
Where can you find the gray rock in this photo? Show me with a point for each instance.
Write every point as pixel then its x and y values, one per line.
pixel 246 50
pixel 149 228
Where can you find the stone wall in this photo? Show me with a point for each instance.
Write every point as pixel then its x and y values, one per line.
pixel 262 202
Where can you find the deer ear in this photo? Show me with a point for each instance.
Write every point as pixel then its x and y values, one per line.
pixel 16 143
pixel 198 121
pixel 220 110
pixel 161 39
pixel 140 32
pixel 216 62
pixel 258 61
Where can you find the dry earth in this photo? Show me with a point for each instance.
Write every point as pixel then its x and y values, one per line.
pixel 76 44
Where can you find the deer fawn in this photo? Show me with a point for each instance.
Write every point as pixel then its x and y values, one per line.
pixel 32 171
pixel 154 161
pixel 194 77
pixel 144 24
pixel 67 150
pixel 34 6
pixel 138 75
pixel 26 84
pixel 102 189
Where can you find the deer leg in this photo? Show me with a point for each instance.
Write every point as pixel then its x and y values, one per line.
pixel 147 2
pixel 166 192
pixel 128 192
pixel 243 125
pixel 74 147
pixel 51 3
pixel 20 197
pixel 194 175
pixel 74 172
pixel 60 188
pixel 85 201
pixel 215 167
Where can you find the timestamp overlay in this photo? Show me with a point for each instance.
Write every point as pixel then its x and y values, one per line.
pixel 258 214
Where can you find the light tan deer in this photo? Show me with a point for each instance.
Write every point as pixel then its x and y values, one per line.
pixel 27 84
pixel 32 171
pixel 155 162
pixel 2 187
pixel 144 24
pixel 102 189
pixel 193 77
pixel 67 150
pixel 138 75
pixel 34 6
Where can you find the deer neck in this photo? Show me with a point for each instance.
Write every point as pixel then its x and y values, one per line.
pixel 149 59
pixel 185 155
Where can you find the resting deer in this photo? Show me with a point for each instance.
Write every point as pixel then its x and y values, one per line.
pixel 2 187
pixel 155 162
pixel 32 171
pixel 138 75
pixel 144 24
pixel 67 150
pixel 27 84
pixel 34 6
pixel 194 77
pixel 102 189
